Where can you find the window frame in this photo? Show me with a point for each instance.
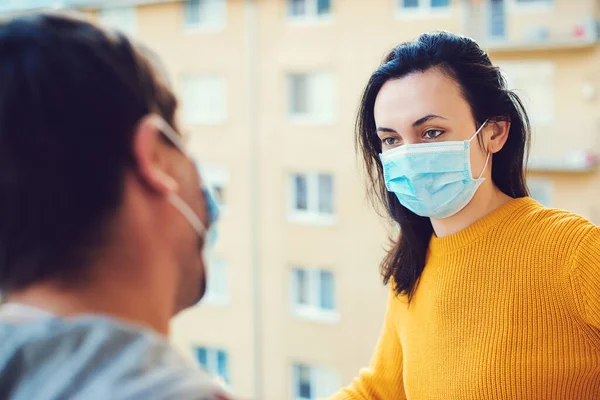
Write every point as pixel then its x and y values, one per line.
pixel 313 309
pixel 321 103
pixel 311 16
pixel 538 6
pixel 212 297
pixel 214 176
pixel 311 215
pixel 424 10
pixel 322 381
pixel 212 362
pixel 208 118
pixel 205 27
pixel 129 10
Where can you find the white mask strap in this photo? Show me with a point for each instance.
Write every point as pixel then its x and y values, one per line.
pixel 479 130
pixel 188 213
pixel 487 160
pixel 169 132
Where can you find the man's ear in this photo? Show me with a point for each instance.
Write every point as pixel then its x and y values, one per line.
pixel 499 136
pixel 151 157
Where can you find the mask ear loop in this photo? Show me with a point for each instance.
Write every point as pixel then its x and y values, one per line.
pixel 190 215
pixel 173 198
pixel 479 130
pixel 487 160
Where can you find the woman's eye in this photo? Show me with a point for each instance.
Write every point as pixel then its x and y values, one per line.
pixel 390 141
pixel 433 134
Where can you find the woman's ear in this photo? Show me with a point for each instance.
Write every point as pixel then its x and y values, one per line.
pixel 499 136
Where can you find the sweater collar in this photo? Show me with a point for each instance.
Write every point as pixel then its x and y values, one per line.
pixel 458 240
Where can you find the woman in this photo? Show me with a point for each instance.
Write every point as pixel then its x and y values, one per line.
pixel 492 295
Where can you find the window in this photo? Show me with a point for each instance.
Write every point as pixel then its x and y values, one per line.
pixel 533 81
pixel 310 383
pixel 533 1
pixel 541 190
pixel 312 197
pixel 204 100
pixel 311 97
pixel 216 281
pixel 123 19
pixel 309 9
pixel 216 361
pixel 423 5
pixel 313 294
pixel 217 178
pixel 205 14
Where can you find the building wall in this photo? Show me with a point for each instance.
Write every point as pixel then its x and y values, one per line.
pixel 349 45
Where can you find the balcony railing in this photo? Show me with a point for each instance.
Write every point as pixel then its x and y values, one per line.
pixel 500 26
pixel 11 6
pixel 576 161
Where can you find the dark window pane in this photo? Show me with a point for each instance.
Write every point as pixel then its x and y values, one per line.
pixel 219 192
pixel 201 353
pixel 327 291
pixel 191 12
pixel 325 194
pixel 301 193
pixel 299 94
pixel 304 389
pixel 410 3
pixel 323 7
pixel 223 365
pixel 297 7
pixel 440 3
pixel 497 23
pixel 301 286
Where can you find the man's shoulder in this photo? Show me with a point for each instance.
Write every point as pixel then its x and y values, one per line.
pixel 95 357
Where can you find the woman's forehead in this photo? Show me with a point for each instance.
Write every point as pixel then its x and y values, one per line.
pixel 405 100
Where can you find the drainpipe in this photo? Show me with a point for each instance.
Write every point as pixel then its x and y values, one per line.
pixel 252 85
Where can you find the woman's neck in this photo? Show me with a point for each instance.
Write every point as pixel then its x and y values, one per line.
pixel 487 199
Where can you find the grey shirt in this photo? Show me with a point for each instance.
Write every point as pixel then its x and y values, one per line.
pixel 93 357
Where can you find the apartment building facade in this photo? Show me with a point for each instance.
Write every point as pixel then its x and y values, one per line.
pixel 269 91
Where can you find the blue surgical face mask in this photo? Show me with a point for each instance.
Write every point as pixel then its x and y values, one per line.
pixel 212 209
pixel 432 179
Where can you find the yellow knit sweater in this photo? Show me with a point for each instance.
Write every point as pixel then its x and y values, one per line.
pixel 509 309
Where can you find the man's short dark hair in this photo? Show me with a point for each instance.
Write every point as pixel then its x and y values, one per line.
pixel 71 95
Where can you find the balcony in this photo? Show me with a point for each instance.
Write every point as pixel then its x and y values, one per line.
pixel 508 26
pixel 12 6
pixel 572 162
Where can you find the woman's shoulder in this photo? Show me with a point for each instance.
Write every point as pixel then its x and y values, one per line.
pixel 556 222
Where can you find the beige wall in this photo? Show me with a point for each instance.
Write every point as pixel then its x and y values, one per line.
pixel 350 46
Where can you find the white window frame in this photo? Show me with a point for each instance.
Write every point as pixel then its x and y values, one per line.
pixel 212 362
pixel 537 68
pixel 312 214
pixel 219 97
pixel 425 10
pixel 216 176
pixel 130 12
pixel 313 310
pixel 213 296
pixel 311 16
pixel 538 6
pixel 323 382
pixel 322 103
pixel 545 186
pixel 206 27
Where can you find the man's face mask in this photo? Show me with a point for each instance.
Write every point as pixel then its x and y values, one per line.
pixel 212 209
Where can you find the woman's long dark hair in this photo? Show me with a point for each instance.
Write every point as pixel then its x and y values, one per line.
pixel 484 88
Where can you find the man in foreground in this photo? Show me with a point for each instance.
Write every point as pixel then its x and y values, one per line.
pixel 102 219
